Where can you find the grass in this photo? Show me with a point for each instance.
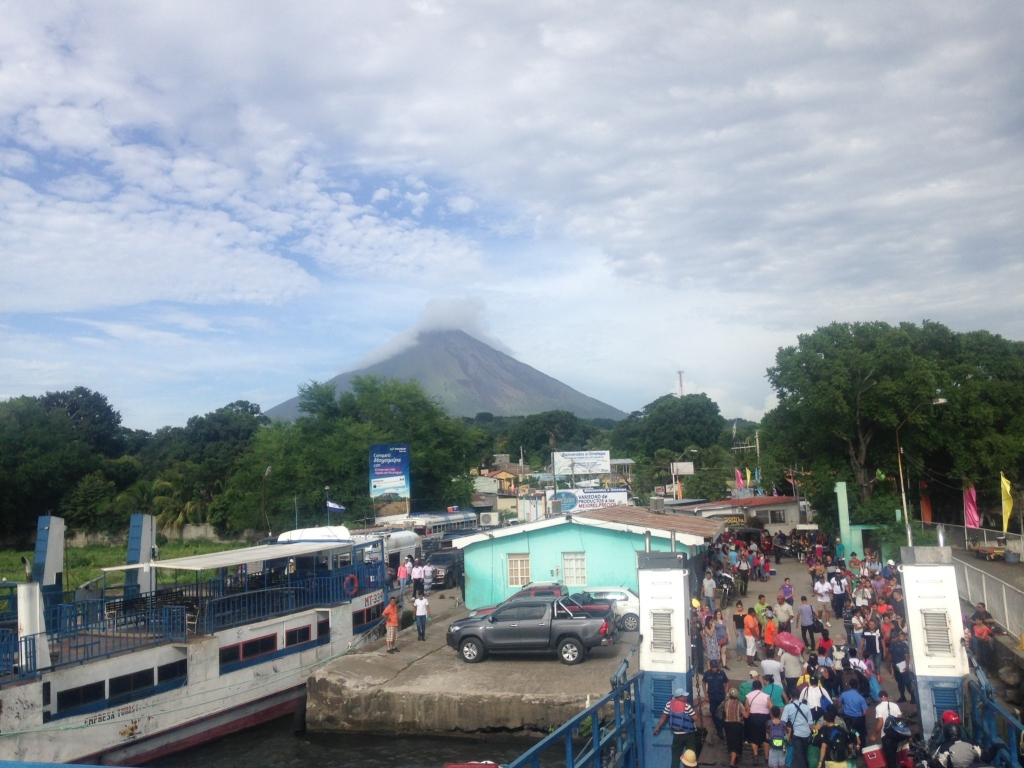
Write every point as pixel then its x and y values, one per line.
pixel 84 563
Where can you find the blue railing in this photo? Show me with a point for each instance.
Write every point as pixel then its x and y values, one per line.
pixel 68 618
pixel 8 602
pixel 584 741
pixel 70 644
pixel 992 725
pixel 314 592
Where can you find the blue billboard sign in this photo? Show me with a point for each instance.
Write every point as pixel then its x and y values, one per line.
pixel 389 471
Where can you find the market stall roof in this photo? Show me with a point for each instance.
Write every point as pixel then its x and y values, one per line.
pixel 231 557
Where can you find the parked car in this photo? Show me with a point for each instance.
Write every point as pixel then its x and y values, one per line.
pixel 625 604
pixel 532 626
pixel 448 564
pixel 533 589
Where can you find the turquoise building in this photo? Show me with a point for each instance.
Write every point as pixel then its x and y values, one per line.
pixel 592 548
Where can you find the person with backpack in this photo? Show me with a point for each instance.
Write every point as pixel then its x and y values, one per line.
pixel 797 716
pixel 815 697
pixel 680 718
pixel 855 707
pixel 884 712
pixel 775 733
pixel 835 741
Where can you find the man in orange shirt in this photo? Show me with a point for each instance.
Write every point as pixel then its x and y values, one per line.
pixel 391 624
pixel 751 631
pixel 770 630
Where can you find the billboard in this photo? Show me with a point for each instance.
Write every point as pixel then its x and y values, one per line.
pixel 682 467
pixel 582 499
pixel 583 463
pixel 389 471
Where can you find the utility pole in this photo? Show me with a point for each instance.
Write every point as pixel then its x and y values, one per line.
pixel 680 385
pixel 327 489
pixel 295 500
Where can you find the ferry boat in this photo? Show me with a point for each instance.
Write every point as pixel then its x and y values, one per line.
pixel 220 642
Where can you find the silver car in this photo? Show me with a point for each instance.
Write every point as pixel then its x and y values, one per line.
pixel 625 605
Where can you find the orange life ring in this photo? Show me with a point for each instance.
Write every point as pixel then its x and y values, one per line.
pixel 351 585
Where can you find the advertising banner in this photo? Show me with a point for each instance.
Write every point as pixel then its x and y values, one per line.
pixel 583 463
pixel 582 499
pixel 682 467
pixel 389 471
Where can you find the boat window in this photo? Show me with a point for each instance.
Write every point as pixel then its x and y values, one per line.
pixel 296 636
pixel 134 682
pixel 173 671
pixel 46 694
pixel 323 628
pixel 259 646
pixel 230 654
pixel 80 696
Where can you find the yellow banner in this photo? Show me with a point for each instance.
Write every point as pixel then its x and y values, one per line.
pixel 1007 500
pixel 748 477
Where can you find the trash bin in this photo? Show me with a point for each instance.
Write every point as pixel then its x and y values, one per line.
pixel 1013 558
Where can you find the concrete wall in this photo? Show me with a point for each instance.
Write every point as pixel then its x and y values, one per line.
pixel 610 559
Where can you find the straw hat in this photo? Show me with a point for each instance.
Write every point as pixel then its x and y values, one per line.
pixel 689 758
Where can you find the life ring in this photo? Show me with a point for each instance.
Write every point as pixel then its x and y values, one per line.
pixel 351 585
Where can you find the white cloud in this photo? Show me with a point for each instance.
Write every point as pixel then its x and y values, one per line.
pixel 688 176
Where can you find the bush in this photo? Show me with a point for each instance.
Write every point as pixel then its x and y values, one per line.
pixel 408 619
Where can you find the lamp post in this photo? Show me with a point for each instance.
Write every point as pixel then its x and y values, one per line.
pixel 266 523
pixel 327 492
pixel 899 463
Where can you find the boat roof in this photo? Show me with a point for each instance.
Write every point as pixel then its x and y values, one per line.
pixel 232 557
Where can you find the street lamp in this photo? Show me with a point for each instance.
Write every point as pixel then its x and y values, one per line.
pixel 327 493
pixel 899 462
pixel 263 484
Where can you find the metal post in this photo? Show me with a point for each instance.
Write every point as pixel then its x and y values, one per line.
pixel 903 488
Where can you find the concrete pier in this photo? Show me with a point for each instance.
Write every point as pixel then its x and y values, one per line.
pixel 427 689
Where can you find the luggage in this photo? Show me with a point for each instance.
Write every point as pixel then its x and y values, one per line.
pixel 874 757
pixel 790 643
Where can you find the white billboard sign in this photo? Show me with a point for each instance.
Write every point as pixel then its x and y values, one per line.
pixel 582 499
pixel 583 463
pixel 682 467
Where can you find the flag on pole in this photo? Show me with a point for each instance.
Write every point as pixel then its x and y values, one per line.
pixel 748 478
pixel 926 503
pixel 1004 484
pixel 335 507
pixel 739 479
pixel 971 518
pixel 775 491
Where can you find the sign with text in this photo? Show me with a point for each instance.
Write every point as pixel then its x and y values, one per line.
pixel 682 467
pixel 583 463
pixel 389 471
pixel 582 499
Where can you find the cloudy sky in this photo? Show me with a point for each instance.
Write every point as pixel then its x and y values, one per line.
pixel 202 202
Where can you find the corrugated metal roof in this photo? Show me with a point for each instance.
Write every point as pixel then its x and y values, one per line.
pixel 644 517
pixel 747 503
pixel 231 557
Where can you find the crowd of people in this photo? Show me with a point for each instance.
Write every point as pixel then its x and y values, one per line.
pixel 827 700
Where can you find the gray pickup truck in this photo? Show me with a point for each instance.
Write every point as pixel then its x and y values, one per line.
pixel 533 626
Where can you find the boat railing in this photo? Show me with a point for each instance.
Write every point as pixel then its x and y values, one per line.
pixel 8 602
pixel 342 586
pixel 75 641
pixel 607 734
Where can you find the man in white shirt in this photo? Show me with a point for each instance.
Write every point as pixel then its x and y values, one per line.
pixel 824 592
pixel 422 612
pixel 709 585
pixel 417 579
pixel 784 615
pixel 840 591
pixel 428 577
pixel 772 667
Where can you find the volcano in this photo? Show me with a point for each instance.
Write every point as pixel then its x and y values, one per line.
pixel 469 377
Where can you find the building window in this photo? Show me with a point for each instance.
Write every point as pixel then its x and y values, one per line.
pixel 518 570
pixel 574 569
pixel 777 516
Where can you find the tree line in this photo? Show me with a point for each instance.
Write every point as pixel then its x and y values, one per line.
pixel 843 391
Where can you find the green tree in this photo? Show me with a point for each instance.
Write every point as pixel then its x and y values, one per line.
pixel 86 507
pixel 670 423
pixel 92 418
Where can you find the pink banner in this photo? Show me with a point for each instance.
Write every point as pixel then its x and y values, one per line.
pixel 971 519
pixel 739 480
